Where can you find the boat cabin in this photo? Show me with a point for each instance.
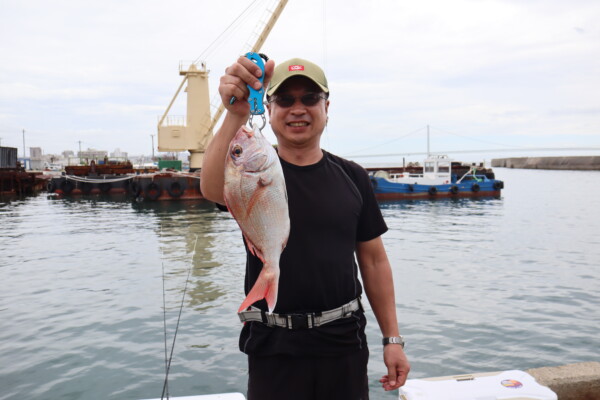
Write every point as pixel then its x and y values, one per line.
pixel 437 170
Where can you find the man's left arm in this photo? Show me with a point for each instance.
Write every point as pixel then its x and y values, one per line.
pixel 378 282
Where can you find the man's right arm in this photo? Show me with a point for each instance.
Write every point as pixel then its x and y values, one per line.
pixel 233 84
pixel 212 175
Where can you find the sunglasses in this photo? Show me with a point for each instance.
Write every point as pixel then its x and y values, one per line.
pixel 287 100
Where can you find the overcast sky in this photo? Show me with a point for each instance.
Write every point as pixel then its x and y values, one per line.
pixel 489 74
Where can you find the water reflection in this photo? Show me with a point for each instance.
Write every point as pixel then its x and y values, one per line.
pixel 191 235
pixel 116 198
pixel 448 202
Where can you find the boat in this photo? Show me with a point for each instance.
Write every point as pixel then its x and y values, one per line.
pixel 14 179
pixel 440 177
pixel 106 177
pixel 121 178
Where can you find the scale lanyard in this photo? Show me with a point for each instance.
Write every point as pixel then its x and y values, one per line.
pixel 255 98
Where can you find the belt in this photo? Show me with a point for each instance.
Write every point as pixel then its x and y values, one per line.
pixel 300 321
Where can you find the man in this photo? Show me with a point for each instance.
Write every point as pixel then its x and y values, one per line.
pixel 333 216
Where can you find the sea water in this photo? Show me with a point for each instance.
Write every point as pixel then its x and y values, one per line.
pixel 481 285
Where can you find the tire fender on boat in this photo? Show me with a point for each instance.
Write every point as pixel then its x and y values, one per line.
pixel 411 188
pixel 175 189
pixel 454 189
pixel 86 187
pixel 105 187
pixel 498 185
pixel 475 187
pixel 432 190
pixel 67 186
pixel 153 191
pixel 135 188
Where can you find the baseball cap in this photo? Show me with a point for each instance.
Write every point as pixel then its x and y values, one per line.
pixel 297 67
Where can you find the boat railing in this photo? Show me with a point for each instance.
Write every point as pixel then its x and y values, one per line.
pixel 174 120
pixel 472 174
pixel 405 175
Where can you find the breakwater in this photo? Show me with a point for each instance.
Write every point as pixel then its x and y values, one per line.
pixel 579 381
pixel 575 163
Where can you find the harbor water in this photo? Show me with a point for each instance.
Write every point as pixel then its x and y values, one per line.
pixel 481 285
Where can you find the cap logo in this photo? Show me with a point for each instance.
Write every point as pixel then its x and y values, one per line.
pixel 296 68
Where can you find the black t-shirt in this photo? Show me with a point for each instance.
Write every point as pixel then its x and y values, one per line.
pixel 331 207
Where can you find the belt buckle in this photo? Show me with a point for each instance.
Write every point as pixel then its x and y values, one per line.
pixel 298 321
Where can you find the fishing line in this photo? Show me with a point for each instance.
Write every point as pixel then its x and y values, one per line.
pixel 165 384
pixel 165 326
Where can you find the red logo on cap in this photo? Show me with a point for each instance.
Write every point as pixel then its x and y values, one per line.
pixel 296 68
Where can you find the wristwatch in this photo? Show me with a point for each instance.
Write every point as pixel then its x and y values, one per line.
pixel 393 340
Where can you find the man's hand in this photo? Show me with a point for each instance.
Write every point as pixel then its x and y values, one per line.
pixel 398 367
pixel 234 84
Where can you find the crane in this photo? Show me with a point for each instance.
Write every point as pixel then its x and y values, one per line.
pixel 194 132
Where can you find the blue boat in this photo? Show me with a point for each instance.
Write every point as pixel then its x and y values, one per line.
pixel 436 180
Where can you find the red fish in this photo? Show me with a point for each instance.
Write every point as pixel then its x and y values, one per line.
pixel 256 196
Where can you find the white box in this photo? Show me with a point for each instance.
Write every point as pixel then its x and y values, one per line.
pixel 221 396
pixel 504 385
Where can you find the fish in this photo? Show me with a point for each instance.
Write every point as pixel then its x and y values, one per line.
pixel 256 197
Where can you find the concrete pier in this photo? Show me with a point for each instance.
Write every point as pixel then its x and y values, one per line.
pixel 579 381
pixel 576 163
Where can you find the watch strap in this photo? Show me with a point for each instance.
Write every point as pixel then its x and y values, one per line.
pixel 393 340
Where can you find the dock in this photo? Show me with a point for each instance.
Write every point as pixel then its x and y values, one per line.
pixel 580 381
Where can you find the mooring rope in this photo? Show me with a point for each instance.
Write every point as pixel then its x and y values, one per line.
pixel 185 175
pixel 168 366
pixel 97 180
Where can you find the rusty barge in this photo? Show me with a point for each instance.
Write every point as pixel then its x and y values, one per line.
pixel 14 179
pixel 121 178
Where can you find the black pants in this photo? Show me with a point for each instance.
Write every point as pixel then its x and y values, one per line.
pixel 315 378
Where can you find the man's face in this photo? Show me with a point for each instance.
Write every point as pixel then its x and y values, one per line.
pixel 299 125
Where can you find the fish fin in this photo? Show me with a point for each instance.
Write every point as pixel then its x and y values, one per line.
pixel 264 181
pixel 256 195
pixel 229 208
pixel 255 251
pixel 250 245
pixel 265 287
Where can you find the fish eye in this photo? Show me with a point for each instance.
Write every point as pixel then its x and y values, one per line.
pixel 237 150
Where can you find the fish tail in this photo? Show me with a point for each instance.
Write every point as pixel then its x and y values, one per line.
pixel 266 287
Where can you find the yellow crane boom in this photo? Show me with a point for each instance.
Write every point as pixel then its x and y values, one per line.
pixel 195 131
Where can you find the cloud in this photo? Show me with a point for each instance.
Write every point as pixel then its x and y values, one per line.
pixel 504 69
